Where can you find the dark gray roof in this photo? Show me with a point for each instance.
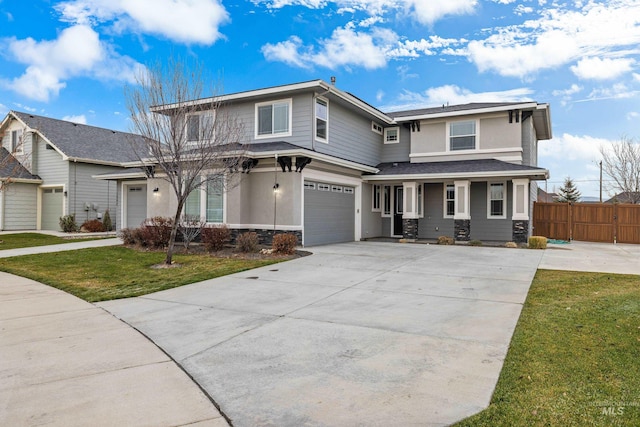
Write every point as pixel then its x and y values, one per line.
pixel 271 146
pixel 624 197
pixel 451 108
pixel 83 141
pixel 11 168
pixel 452 167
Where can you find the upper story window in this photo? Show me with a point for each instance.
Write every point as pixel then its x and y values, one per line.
pixel 376 127
pixel 199 126
pixel 322 119
pixel 273 118
pixel 392 135
pixel 15 143
pixel 497 194
pixel 462 135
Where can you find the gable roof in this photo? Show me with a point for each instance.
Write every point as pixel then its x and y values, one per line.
pixel 455 169
pixel 624 197
pixel 11 168
pixel 80 142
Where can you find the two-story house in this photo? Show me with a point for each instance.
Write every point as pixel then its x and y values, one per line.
pixel 57 160
pixel 331 168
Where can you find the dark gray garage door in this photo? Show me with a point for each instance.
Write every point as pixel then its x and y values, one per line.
pixel 52 199
pixel 329 213
pixel 136 205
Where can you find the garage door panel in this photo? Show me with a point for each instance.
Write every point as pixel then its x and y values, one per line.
pixel 329 216
pixel 136 205
pixel 52 201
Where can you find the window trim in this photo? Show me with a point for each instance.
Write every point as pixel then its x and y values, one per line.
pixel 386 201
pixel 289 102
pixel 16 144
pixel 376 198
pixel 446 200
pixel 386 135
pixel 200 115
pixel 376 127
pixel 315 122
pixel 466 150
pixel 504 200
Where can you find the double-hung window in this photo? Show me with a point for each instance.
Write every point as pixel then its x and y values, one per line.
pixel 462 135
pixel 449 200
pixel 200 126
pixel 192 204
pixel 15 144
pixel 322 119
pixel 215 200
pixel 392 135
pixel 496 197
pixel 273 118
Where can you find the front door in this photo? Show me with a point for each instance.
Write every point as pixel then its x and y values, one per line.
pixel 397 210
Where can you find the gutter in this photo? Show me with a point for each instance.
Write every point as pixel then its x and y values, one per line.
pixel 540 175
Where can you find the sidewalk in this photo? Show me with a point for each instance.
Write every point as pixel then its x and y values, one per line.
pixel 60 248
pixel 66 362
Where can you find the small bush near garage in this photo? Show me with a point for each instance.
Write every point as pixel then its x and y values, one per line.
pixel 106 220
pixel 156 231
pixel 445 240
pixel 247 242
pixel 475 243
pixel 284 244
pixel 215 238
pixel 68 223
pixel 537 242
pixel 93 226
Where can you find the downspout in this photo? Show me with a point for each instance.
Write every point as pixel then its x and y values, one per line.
pixel 2 206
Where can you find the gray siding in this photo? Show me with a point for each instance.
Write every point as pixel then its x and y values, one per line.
pixel 483 228
pixel 529 143
pixel 84 189
pixel 398 152
pixel 50 166
pixel 371 221
pixel 434 224
pixel 386 226
pixel 533 197
pixel 20 206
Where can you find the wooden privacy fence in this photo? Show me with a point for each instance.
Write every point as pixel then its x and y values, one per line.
pixel 588 222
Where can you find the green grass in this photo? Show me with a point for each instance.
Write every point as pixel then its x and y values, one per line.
pixel 100 274
pixel 27 240
pixel 575 355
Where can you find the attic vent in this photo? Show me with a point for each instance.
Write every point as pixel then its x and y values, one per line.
pixel 49 147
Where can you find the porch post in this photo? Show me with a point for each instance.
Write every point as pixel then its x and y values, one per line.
pixel 410 211
pixel 520 217
pixel 462 206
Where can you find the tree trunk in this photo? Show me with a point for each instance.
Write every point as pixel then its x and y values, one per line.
pixel 174 232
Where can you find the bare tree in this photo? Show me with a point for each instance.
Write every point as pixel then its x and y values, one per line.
pixel 621 162
pixel 188 144
pixel 14 163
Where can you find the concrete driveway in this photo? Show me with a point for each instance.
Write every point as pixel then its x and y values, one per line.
pixel 357 334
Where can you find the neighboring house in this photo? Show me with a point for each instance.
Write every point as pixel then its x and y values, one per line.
pixel 331 168
pixel 545 197
pixel 625 197
pixel 58 159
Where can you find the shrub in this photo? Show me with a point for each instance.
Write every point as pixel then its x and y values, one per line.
pixel 93 226
pixel 106 220
pixel 445 240
pixel 284 243
pixel 190 228
pixel 537 242
pixel 68 223
pixel 214 238
pixel 156 231
pixel 475 243
pixel 247 242
pixel 511 245
pixel 130 236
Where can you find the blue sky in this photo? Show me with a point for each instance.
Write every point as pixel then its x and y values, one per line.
pixel 71 59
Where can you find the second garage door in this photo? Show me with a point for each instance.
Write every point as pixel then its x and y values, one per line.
pixel 52 201
pixel 329 213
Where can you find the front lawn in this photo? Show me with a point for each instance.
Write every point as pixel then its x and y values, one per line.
pixel 100 274
pixel 27 240
pixel 574 357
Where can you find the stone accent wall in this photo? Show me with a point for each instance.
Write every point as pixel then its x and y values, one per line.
pixel 462 230
pixel 265 236
pixel 520 231
pixel 410 229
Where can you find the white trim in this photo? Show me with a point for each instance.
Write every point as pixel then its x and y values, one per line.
pixel 462 212
pixel 522 106
pixel 373 198
pixel 315 119
pixel 386 135
pixel 476 147
pixel 505 197
pixel 478 151
pixel 376 127
pixel 125 200
pixel 383 214
pixel 39 202
pixel 444 200
pixel 450 176
pixel 289 102
pixel 120 176
pixel 515 215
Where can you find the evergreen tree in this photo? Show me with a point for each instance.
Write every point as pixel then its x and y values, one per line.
pixel 568 192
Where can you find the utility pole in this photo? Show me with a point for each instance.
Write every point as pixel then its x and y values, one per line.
pixel 600 181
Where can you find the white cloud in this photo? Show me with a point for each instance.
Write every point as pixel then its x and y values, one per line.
pixel 413 48
pixel 566 95
pixel 429 11
pixel 345 47
pixel 453 95
pixel 191 21
pixel 602 69
pixel 633 115
pixel 573 147
pixel 77 51
pixel 25 107
pixel 81 119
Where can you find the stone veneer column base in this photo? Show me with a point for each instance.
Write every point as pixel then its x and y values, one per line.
pixel 462 230
pixel 520 231
pixel 410 229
